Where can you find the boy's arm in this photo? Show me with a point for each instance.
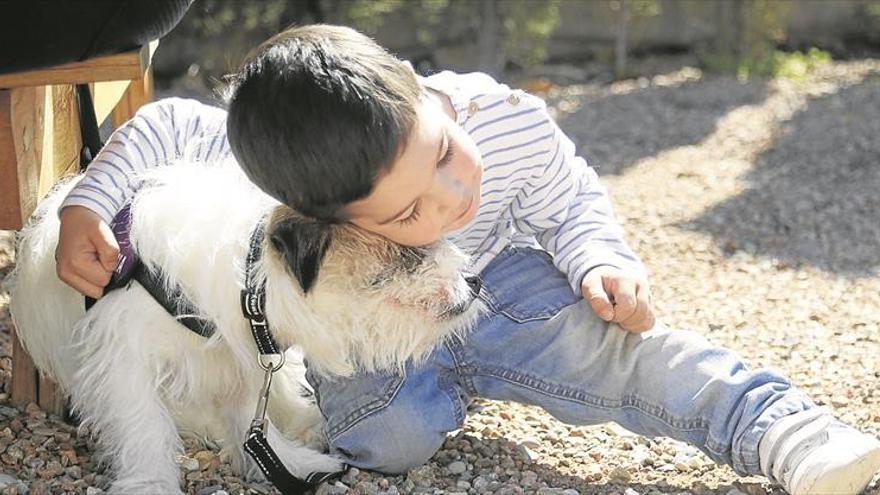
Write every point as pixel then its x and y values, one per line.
pixel 569 212
pixel 160 133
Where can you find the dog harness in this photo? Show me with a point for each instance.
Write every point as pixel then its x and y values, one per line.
pixel 253 305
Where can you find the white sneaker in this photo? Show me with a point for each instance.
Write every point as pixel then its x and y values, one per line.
pixel 812 453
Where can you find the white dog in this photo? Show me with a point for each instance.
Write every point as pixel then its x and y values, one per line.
pixel 348 299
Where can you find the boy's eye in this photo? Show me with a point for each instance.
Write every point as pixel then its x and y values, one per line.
pixel 447 157
pixel 412 216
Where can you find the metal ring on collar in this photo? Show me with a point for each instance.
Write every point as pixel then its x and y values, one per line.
pixel 270 367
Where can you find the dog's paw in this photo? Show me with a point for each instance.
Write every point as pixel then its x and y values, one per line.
pixel 322 463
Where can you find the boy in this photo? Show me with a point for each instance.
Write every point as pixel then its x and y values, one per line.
pixel 329 123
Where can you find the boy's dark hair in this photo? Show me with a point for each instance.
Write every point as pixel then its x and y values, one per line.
pixel 317 114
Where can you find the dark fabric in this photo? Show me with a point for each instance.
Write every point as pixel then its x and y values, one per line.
pixel 129 268
pixel 270 465
pixel 43 33
pixel 88 125
pixel 174 301
pixel 253 297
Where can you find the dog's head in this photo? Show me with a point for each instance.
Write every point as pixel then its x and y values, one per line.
pixel 356 300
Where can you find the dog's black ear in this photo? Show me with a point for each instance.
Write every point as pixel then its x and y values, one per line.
pixel 302 243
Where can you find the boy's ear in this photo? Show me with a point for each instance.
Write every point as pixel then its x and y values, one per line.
pixel 302 244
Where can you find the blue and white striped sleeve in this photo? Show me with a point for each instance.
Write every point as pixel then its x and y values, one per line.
pixel 569 212
pixel 160 133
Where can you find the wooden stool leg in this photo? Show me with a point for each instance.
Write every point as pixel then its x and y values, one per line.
pixel 24 374
pixel 27 386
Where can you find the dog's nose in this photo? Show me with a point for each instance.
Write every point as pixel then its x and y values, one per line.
pixel 474 283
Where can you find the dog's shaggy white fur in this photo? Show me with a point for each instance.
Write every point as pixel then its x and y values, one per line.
pixel 349 300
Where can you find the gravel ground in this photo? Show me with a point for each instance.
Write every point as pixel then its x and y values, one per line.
pixel 754 207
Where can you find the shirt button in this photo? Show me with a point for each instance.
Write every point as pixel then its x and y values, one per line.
pixel 473 107
pixel 513 99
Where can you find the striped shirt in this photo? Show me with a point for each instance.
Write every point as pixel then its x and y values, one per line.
pixel 535 191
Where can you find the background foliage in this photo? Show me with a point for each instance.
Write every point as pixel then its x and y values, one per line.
pixel 506 37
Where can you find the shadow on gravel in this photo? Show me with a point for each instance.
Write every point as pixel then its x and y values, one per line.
pixel 615 131
pixel 814 196
pixel 673 482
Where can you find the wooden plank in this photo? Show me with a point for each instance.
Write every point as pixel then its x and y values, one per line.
pixel 24 113
pixel 24 374
pixel 106 95
pixel 49 397
pixel 66 141
pixel 128 65
pixel 139 92
pixel 10 210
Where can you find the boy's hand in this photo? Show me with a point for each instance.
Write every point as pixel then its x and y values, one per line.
pixel 619 297
pixel 87 252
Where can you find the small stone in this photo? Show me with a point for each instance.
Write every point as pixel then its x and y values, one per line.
pixel 188 463
pixel 34 410
pixel 620 474
pixel 69 457
pixel 531 443
pixel 15 452
pixel 480 483
pixel 421 476
pixel 264 490
pixel 6 480
pixel 570 491
pixel 337 488
pixel 204 457
pixel 457 467
pixel 630 491
pixel 74 472
pixel 40 487
pixel 209 490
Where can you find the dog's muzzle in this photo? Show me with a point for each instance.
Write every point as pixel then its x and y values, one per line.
pixel 475 285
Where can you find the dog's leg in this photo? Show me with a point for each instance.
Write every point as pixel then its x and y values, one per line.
pixel 236 421
pixel 298 459
pixel 116 393
pixel 291 409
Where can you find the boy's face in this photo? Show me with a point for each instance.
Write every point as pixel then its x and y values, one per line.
pixel 433 187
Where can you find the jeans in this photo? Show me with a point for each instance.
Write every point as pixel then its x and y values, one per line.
pixel 541 344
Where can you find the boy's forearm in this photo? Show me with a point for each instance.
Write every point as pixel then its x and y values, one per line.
pixel 568 210
pixel 589 236
pixel 160 133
